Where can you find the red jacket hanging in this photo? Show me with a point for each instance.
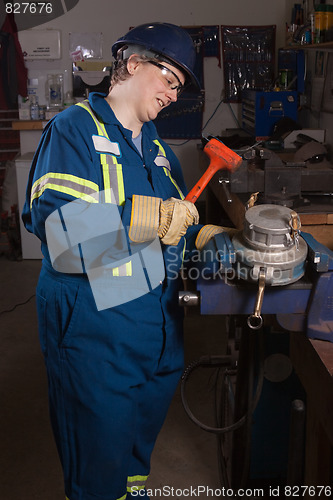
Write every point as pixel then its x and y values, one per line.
pixel 14 74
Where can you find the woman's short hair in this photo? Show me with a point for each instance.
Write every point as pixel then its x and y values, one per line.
pixel 120 72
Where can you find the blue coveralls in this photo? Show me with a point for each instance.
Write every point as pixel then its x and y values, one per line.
pixel 112 372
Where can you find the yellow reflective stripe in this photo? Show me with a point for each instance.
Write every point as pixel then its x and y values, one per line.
pixel 160 147
pixel 131 479
pixel 129 268
pixel 100 125
pixel 136 483
pixel 67 177
pixel 69 184
pixel 168 174
pixel 126 269
pixel 65 190
pixel 120 181
pixel 166 171
pixel 104 163
pixel 183 254
pixel 105 169
pixel 121 189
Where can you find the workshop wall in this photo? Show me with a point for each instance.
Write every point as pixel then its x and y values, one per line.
pixel 112 19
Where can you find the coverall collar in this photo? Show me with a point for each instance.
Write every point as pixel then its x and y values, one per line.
pixel 102 108
pixel 105 113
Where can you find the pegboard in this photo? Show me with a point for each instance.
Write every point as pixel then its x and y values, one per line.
pixel 248 59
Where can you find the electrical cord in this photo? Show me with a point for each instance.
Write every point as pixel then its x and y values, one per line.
pixel 240 151
pixel 235 117
pixel 221 460
pixel 220 361
pixel 180 144
pixel 245 419
pixel 212 115
pixel 17 305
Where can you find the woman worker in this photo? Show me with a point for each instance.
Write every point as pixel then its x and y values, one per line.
pixel 113 349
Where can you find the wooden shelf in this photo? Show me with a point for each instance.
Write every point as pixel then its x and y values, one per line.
pixel 311 46
pixel 28 124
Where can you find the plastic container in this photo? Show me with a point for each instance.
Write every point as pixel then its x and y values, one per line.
pixel 24 108
pixel 55 90
pixel 42 112
pixel 34 108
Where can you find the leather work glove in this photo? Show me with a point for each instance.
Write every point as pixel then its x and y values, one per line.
pixel 213 244
pixel 168 219
pixel 175 217
pixel 208 232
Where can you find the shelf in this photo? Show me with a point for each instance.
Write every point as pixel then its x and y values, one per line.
pixel 311 46
pixel 28 124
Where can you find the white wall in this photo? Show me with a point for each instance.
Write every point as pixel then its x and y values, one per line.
pixel 113 19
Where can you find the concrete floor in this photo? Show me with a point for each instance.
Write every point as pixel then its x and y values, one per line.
pixel 185 456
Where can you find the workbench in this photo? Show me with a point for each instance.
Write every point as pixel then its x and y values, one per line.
pixel 312 359
pixel 313 363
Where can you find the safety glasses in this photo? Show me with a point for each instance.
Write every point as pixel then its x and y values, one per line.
pixel 170 78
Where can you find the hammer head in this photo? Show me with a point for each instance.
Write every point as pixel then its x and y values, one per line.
pixel 221 156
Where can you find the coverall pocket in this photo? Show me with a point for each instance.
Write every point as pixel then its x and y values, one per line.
pixel 42 326
pixel 68 306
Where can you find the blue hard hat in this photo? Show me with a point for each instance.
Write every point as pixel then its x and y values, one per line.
pixel 168 41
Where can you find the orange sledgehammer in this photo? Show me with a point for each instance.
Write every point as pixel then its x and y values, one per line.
pixel 221 158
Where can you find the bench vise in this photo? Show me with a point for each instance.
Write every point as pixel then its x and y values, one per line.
pixel 300 294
